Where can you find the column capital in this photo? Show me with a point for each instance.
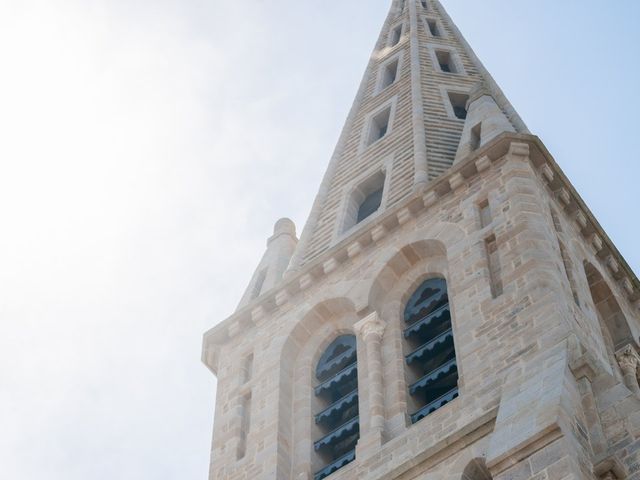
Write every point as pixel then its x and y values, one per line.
pixel 371 325
pixel 628 358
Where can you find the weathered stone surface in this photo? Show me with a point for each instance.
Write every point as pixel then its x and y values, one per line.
pixel 546 362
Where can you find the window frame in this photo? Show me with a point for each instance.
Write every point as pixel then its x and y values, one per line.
pixel 399 57
pixel 392 30
pixel 453 55
pixel 446 100
pixel 345 225
pixel 316 382
pixel 365 141
pixel 428 18
pixel 407 349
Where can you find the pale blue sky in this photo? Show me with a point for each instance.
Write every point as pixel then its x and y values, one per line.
pixel 147 148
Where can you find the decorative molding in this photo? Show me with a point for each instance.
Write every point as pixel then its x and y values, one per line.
pixel 456 181
pixel 371 325
pixel 563 195
pixel 305 281
pixel 258 314
pixel 581 219
pixel 282 297
pixel 378 232
pixel 547 173
pixel 330 265
pixel 404 215
pixel 430 198
pixel 628 358
pixel 596 241
pixel 354 249
pixel 519 149
pixel 483 163
pixel 418 204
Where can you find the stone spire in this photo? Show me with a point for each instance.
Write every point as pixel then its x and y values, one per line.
pixel 280 247
pixel 484 122
pixel 407 124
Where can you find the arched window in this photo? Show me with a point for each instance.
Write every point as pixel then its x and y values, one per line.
pixel 613 323
pixel 337 395
pixel 432 370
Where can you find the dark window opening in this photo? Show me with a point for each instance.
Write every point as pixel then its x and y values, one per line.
pixel 379 125
pixel 476 136
pixel 459 104
pixel 389 73
pixel 369 205
pixel 445 61
pixel 432 367
pixel 395 36
pixel 424 4
pixel 337 392
pixel 485 213
pixel 433 28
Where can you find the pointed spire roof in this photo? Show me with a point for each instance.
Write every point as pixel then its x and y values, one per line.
pixel 409 120
pixel 274 262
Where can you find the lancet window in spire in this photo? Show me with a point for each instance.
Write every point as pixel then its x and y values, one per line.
pixel 379 125
pixel 389 73
pixel 364 200
pixel 432 369
pixel 432 25
pixel 337 393
pixel 370 205
pixel 395 35
pixel 459 104
pixel 446 62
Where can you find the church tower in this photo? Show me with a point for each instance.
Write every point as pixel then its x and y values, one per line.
pixel 452 309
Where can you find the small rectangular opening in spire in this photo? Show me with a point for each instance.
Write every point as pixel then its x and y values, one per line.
pixel 395 35
pixel 476 136
pixel 445 61
pixel 389 74
pixel 379 125
pixel 459 104
pixel 432 25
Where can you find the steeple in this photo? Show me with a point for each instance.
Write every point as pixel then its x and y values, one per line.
pixel 452 309
pixel 421 100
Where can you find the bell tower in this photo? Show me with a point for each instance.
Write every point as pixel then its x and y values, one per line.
pixel 451 310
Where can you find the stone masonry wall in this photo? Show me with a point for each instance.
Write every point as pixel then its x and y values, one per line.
pixel 540 397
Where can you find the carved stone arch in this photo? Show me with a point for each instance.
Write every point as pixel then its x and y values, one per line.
pixel 427 242
pixel 397 263
pixel 476 470
pixel 607 307
pixel 614 326
pixel 399 277
pixel 302 349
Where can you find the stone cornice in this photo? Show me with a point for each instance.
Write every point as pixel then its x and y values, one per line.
pixel 279 298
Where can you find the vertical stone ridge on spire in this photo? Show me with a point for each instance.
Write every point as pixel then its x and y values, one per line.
pixel 421 175
pixel 424 103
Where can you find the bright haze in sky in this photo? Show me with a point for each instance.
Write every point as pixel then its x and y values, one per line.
pixel 148 146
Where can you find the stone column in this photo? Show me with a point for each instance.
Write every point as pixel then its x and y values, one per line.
pixel 629 360
pixel 370 330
